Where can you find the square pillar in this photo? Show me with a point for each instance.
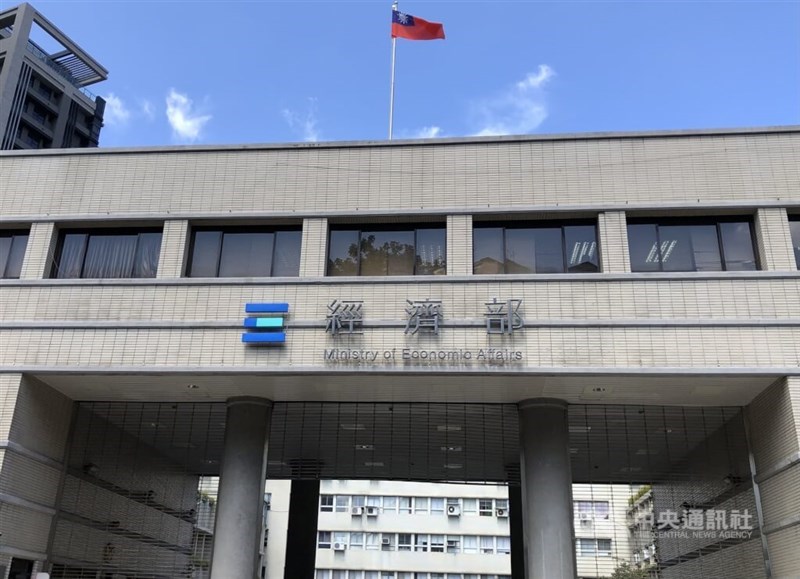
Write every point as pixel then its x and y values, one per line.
pixel 174 249
pixel 314 249
pixel 459 245
pixel 612 234
pixel 40 252
pixel 774 240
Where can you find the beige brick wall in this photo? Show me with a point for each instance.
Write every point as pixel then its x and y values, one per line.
pixel 40 251
pixel 774 240
pixel 612 235
pixel 173 257
pixel 313 252
pixel 459 245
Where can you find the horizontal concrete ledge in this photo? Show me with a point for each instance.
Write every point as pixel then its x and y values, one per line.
pixel 22 553
pixel 421 214
pixel 610 135
pixel 17 448
pixel 409 279
pixel 407 370
pixel 378 324
pixel 26 504
pixel 786 523
pixel 779 467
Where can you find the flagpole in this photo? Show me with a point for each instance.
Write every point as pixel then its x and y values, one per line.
pixel 391 92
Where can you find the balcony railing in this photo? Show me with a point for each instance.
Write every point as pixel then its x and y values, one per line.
pixel 59 69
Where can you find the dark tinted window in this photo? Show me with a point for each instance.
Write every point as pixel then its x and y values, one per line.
pixel 247 252
pixel 12 251
pixel 546 248
pixel 108 254
pixel 388 251
pixel 794 226
pixel 693 245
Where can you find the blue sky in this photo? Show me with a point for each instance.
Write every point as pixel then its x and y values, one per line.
pixel 278 71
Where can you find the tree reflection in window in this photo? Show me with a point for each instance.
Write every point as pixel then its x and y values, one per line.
pixel 382 252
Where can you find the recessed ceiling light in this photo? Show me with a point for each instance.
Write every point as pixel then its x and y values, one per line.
pixel 192 386
pixel 365 447
pixel 373 464
pixel 579 429
pixel 449 428
pixel 352 427
pixel 451 449
pixel 453 466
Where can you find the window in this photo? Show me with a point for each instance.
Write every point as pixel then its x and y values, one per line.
pixel 404 542
pixel 339 574
pixel 485 508
pixel 421 543
pixel 356 540
pixel 405 505
pixel 324 540
pixel 586 547
pixel 387 541
pixel 470 544
pixel 12 251
pixel 453 544
pixel 420 505
pixel 245 252
pixel 373 541
pixel 437 506
pixel 604 547
pixel 374 502
pixel 487 545
pixel 504 545
pixel 359 501
pixel 501 504
pixel 326 503
pixel 544 248
pixel 691 245
pixel 108 254
pixel 794 227
pixel 340 537
pixel 469 506
pixel 389 504
pixel 342 503
pixel 437 543
pixel 403 250
pixel 323 574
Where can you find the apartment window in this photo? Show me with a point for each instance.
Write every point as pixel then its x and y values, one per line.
pixel 504 545
pixel 373 541
pixel 487 545
pixel 421 543
pixel 323 574
pixel 470 544
pixel 356 540
pixel 404 542
pixel 389 504
pixel 326 503
pixel 108 254
pixel 691 245
pixel 453 544
pixel 245 252
pixel 405 505
pixel 586 547
pixel 501 504
pixel 340 537
pixel 544 248
pixel 374 502
pixel 591 509
pixel 387 541
pixel 359 501
pixel 794 227
pixel 12 251
pixel 604 547
pixel 339 574
pixel 342 503
pixel 396 250
pixel 485 507
pixel 469 506
pixel 324 540
pixel 437 543
pixel 420 505
pixel 437 506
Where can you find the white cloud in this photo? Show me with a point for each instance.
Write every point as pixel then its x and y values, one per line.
pixel 518 110
pixel 185 121
pixel 116 112
pixel 148 110
pixel 428 132
pixel 305 125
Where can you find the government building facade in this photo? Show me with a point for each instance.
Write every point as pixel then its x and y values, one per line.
pixel 548 313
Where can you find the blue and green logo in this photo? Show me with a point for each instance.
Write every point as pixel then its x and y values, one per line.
pixel 266 324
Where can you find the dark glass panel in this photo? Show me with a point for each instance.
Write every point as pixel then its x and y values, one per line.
pixel 431 252
pixel 520 255
pixel 343 253
pixel 548 250
pixel 148 248
pixel 16 255
pixel 387 253
pixel 286 262
pixel 690 248
pixel 487 250
pixel 643 245
pixel 205 254
pixel 580 243
pixel 246 255
pixel 5 252
pixel 737 245
pixel 70 262
pixel 109 256
pixel 794 227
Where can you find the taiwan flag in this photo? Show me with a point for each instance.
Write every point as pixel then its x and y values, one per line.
pixel 413 28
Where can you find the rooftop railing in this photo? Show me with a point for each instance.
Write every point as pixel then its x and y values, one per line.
pixel 61 70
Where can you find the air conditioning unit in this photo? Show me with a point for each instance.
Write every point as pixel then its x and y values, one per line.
pixel 339 547
pixel 372 511
pixel 453 511
pixel 501 513
pixel 386 541
pixel 357 511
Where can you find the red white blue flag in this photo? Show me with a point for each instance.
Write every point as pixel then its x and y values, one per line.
pixel 413 28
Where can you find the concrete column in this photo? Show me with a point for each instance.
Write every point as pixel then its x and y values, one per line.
pixel 459 245
pixel 546 489
pixel 40 252
pixel 314 251
pixel 612 233
pixel 774 240
pixel 174 247
pixel 237 530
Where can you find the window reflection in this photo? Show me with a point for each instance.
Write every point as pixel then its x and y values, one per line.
pixel 108 254
pixel 794 227
pixel 546 248
pixel 382 252
pixel 12 252
pixel 691 246
pixel 245 252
